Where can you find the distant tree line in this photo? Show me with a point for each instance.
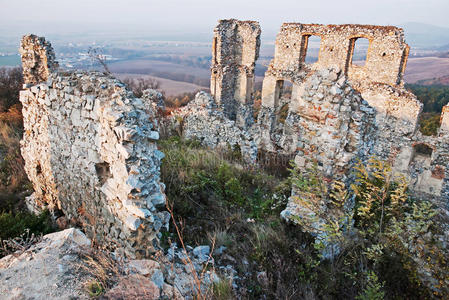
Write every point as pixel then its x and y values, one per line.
pixel 434 97
pixel 138 85
pixel 202 62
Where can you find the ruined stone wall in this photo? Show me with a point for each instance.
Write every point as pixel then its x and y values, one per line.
pixel 444 121
pixel 385 61
pixel 202 120
pixel 38 59
pixel 90 151
pixel 335 125
pixel 378 82
pixel 235 50
pixel 337 111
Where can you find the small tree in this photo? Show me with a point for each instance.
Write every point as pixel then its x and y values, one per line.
pixel 141 84
pixel 97 55
pixel 11 80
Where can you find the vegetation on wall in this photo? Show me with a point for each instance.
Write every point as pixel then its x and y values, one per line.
pixel 217 196
pixel 434 97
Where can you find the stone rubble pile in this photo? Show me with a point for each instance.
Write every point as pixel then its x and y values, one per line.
pixel 202 120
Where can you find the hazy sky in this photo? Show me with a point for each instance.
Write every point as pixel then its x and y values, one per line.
pixel 176 16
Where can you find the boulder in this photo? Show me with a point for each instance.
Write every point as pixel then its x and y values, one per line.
pixel 47 270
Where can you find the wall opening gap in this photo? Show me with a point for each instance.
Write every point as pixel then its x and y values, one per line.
pixel 283 95
pixel 359 51
pixel 103 172
pixel 422 154
pixel 38 169
pixel 312 45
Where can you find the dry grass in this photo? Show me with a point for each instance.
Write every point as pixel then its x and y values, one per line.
pixel 199 290
pixel 12 173
pixel 102 268
pixel 18 245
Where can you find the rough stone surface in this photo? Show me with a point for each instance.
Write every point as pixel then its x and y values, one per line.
pixel 134 286
pixel 38 59
pixel 90 150
pixel 48 270
pixel 90 145
pixel 337 112
pixel 181 265
pixel 202 119
pixel 235 49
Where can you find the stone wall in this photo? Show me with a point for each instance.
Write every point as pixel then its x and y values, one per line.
pixel 385 61
pixel 38 59
pixel 90 151
pixel 235 49
pixel 338 111
pixel 87 137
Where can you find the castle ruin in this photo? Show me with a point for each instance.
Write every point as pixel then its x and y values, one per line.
pixel 90 146
pixel 339 112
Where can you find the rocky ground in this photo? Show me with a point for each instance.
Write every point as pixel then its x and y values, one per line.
pixel 63 265
pixel 48 270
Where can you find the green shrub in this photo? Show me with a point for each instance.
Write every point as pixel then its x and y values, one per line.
pixel 195 175
pixel 14 224
pixel 387 221
pixel 373 289
pixel 429 123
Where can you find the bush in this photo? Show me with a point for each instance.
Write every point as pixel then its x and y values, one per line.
pixel 216 196
pixel 12 174
pixel 14 224
pixel 429 123
pixel 10 84
pixel 138 85
pixel 386 242
pixel 194 174
pixel 19 230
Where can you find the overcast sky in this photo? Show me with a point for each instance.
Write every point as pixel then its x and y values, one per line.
pixel 165 16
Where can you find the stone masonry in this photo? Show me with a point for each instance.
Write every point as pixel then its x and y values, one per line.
pixel 90 151
pixel 38 58
pixel 338 111
pixel 90 145
pixel 235 49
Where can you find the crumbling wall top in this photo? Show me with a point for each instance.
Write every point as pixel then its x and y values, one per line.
pixel 386 56
pixel 236 42
pixel 38 59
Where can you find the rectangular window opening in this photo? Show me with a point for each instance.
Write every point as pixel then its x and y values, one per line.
pixel 312 47
pixel 283 96
pixel 359 51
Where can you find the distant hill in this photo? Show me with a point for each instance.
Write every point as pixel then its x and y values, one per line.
pixel 435 81
pixel 426 36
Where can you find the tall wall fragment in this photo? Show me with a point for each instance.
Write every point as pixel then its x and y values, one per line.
pixel 444 121
pixel 385 62
pixel 38 59
pixel 235 49
pixel 90 151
